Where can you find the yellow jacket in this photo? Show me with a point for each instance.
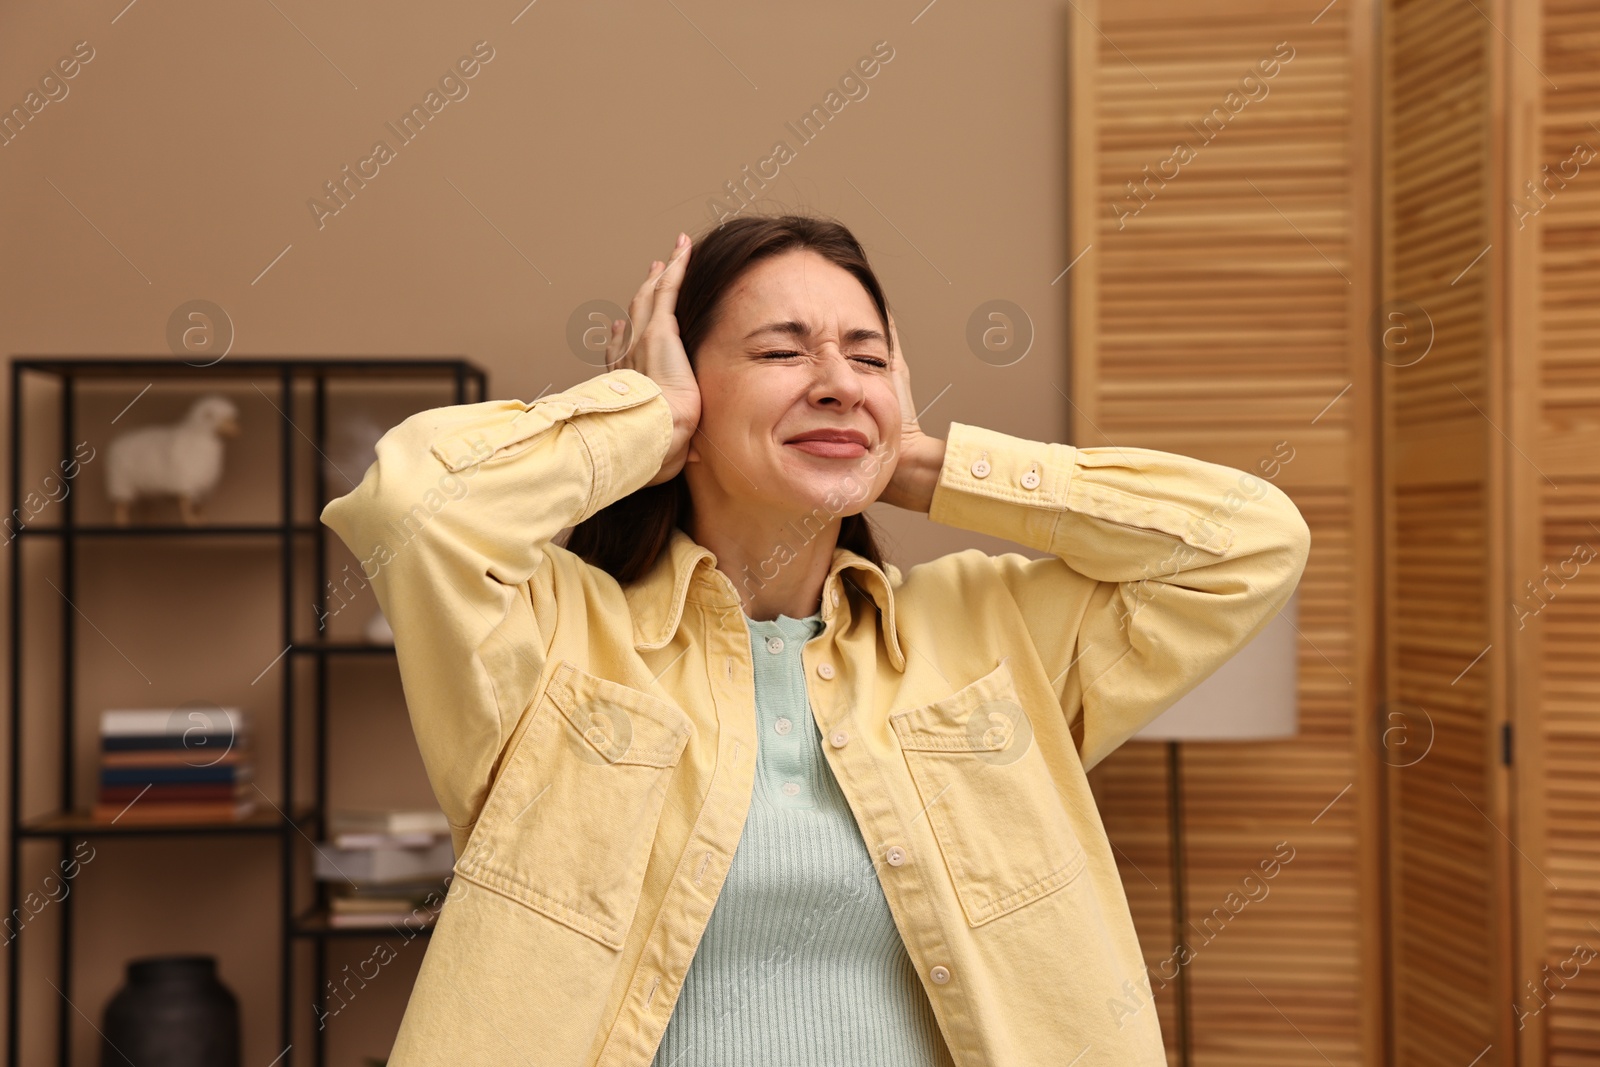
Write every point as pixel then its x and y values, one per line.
pixel 593 745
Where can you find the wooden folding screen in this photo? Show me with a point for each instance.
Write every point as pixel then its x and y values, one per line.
pixel 1492 257
pixel 1443 626
pixel 1549 216
pixel 1223 212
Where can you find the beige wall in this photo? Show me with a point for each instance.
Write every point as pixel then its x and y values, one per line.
pixel 179 166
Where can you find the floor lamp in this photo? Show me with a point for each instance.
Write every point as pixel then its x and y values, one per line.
pixel 1251 697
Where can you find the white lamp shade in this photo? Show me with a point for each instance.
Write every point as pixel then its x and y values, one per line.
pixel 1250 697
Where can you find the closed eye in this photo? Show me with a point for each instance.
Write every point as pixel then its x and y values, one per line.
pixel 870 360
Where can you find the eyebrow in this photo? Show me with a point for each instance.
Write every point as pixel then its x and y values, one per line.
pixel 795 328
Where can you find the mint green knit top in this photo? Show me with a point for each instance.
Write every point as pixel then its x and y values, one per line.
pixel 801 964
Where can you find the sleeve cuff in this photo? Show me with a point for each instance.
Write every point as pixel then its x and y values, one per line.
pixel 1021 490
pixel 625 451
pixel 1005 486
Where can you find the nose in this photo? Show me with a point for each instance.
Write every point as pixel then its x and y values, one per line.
pixel 836 380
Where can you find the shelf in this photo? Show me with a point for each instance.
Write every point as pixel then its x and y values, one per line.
pixel 220 530
pixel 265 820
pixel 314 923
pixel 402 367
pixel 281 517
pixel 341 648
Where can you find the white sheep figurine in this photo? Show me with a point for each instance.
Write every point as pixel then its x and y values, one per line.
pixel 184 459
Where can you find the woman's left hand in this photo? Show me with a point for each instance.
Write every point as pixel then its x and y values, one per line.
pixel 908 486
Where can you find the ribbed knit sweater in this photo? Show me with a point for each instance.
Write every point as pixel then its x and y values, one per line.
pixel 801 964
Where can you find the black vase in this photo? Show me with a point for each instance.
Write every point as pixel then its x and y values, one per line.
pixel 171 1012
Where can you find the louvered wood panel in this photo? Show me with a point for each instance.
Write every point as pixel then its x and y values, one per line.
pixel 1132 791
pixel 1446 811
pixel 1297 951
pixel 1227 320
pixel 1554 595
pixel 1563 989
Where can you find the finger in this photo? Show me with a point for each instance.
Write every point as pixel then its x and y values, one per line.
pixel 666 299
pixel 639 308
pixel 614 344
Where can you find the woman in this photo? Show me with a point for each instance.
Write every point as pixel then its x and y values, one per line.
pixel 726 787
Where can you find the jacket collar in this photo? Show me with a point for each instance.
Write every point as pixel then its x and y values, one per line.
pixel 688 568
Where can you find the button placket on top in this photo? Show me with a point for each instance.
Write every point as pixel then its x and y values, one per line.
pixel 897 855
pixel 788 750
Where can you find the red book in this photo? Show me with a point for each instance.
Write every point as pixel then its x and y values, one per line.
pixel 123 794
pixel 212 811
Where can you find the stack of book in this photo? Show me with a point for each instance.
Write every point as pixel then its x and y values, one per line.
pixel 174 765
pixel 385 868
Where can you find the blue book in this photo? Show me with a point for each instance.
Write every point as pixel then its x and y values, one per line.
pixel 222 772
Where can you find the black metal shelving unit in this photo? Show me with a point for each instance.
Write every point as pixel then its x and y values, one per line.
pixel 302 822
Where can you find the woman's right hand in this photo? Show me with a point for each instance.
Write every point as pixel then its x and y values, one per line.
pixel 657 352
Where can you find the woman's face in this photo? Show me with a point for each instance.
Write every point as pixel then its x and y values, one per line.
pixel 798 346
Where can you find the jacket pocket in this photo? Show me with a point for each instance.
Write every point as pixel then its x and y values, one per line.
pixel 1002 827
pixel 569 823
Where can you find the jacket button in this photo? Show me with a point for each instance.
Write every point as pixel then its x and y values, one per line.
pixel 782 725
pixel 896 855
pixel 939 974
pixel 621 387
pixel 839 738
pixel 980 469
pixel 1030 480
pixel 825 670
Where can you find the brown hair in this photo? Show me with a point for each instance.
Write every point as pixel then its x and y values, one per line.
pixel 626 537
